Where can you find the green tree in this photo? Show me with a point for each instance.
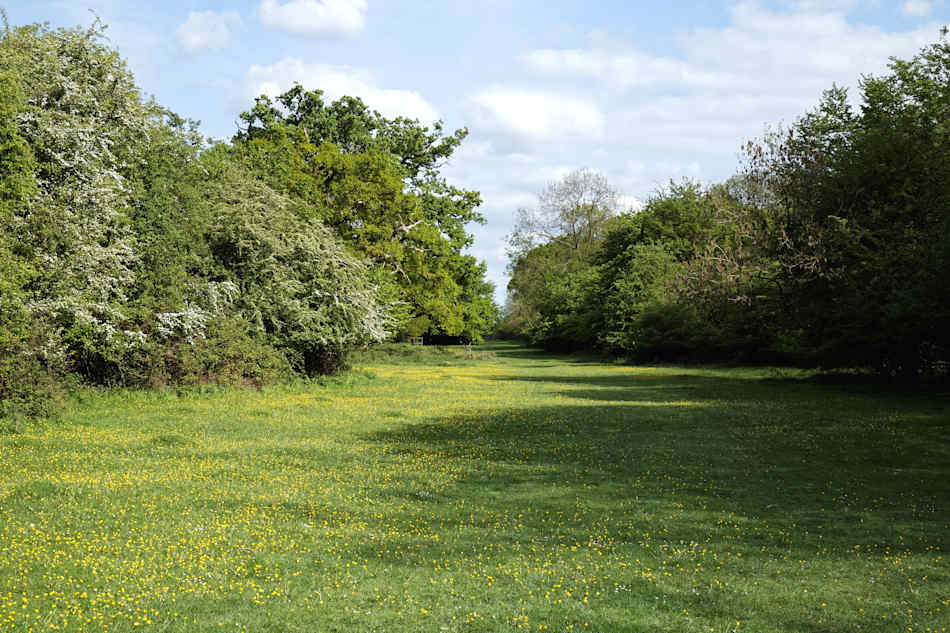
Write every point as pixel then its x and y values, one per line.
pixel 375 182
pixel 141 255
pixel 550 257
pixel 85 124
pixel 862 199
pixel 574 211
pixel 24 385
pixel 641 266
pixel 295 283
pixel 476 298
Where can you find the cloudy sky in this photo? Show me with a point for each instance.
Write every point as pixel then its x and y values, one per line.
pixel 644 91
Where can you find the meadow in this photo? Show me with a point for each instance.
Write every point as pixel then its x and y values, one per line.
pixel 503 491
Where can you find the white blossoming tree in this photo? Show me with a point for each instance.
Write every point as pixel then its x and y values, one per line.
pixel 85 124
pixel 131 252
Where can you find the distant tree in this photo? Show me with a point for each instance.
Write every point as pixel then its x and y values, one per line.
pixel 477 299
pixel 640 260
pixel 547 297
pixel 550 257
pixel 574 211
pixel 831 248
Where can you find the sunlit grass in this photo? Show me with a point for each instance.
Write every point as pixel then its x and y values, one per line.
pixel 514 492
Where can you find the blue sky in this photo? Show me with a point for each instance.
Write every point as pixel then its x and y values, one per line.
pixel 644 92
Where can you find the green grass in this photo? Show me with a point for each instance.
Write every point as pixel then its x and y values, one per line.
pixel 515 491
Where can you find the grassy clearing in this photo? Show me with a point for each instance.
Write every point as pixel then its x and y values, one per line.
pixel 512 492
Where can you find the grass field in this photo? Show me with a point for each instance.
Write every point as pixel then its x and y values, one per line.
pixel 515 491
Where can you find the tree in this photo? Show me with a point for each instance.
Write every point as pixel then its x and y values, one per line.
pixel 550 257
pixel 375 182
pixel 24 385
pixel 641 264
pixel 831 248
pixel 476 298
pixel 547 298
pixel 143 256
pixel 85 125
pixel 418 151
pixel 296 285
pixel 573 211
pixel 862 219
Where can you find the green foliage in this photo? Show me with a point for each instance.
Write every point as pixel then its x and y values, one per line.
pixel 170 214
pixel 476 299
pixel 552 249
pixel 349 124
pixel 414 355
pixel 639 284
pixel 565 314
pixel 829 249
pixel 295 283
pixel 85 126
pixel 16 159
pixel 133 253
pixel 543 292
pixel 676 279
pixel 225 355
pixel 862 200
pixel 26 388
pixel 662 283
pixel 680 219
pixel 375 183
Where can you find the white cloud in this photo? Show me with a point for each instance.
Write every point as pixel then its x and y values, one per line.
pixel 537 116
pixel 314 17
pixel 632 69
pixel 760 52
pixel 490 246
pixel 825 5
pixel 726 84
pixel 336 82
pixel 646 119
pixel 917 8
pixel 629 203
pixel 778 50
pixel 207 29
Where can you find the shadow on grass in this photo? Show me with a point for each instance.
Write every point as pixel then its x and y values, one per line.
pixel 780 481
pixel 504 349
pixel 694 477
pixel 783 452
pixel 726 384
pixel 654 388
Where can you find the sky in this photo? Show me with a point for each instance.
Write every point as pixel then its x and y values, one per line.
pixel 643 92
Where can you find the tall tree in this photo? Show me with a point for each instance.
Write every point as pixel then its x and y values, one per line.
pixel 22 381
pixel 85 124
pixel 550 257
pixel 142 256
pixel 573 211
pixel 375 182
pixel 418 151
pixel 863 200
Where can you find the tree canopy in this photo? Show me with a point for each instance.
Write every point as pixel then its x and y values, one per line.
pixel 375 183
pixel 134 252
pixel 829 248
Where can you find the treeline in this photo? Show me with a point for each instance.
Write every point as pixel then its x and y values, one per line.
pixel 830 248
pixel 133 252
